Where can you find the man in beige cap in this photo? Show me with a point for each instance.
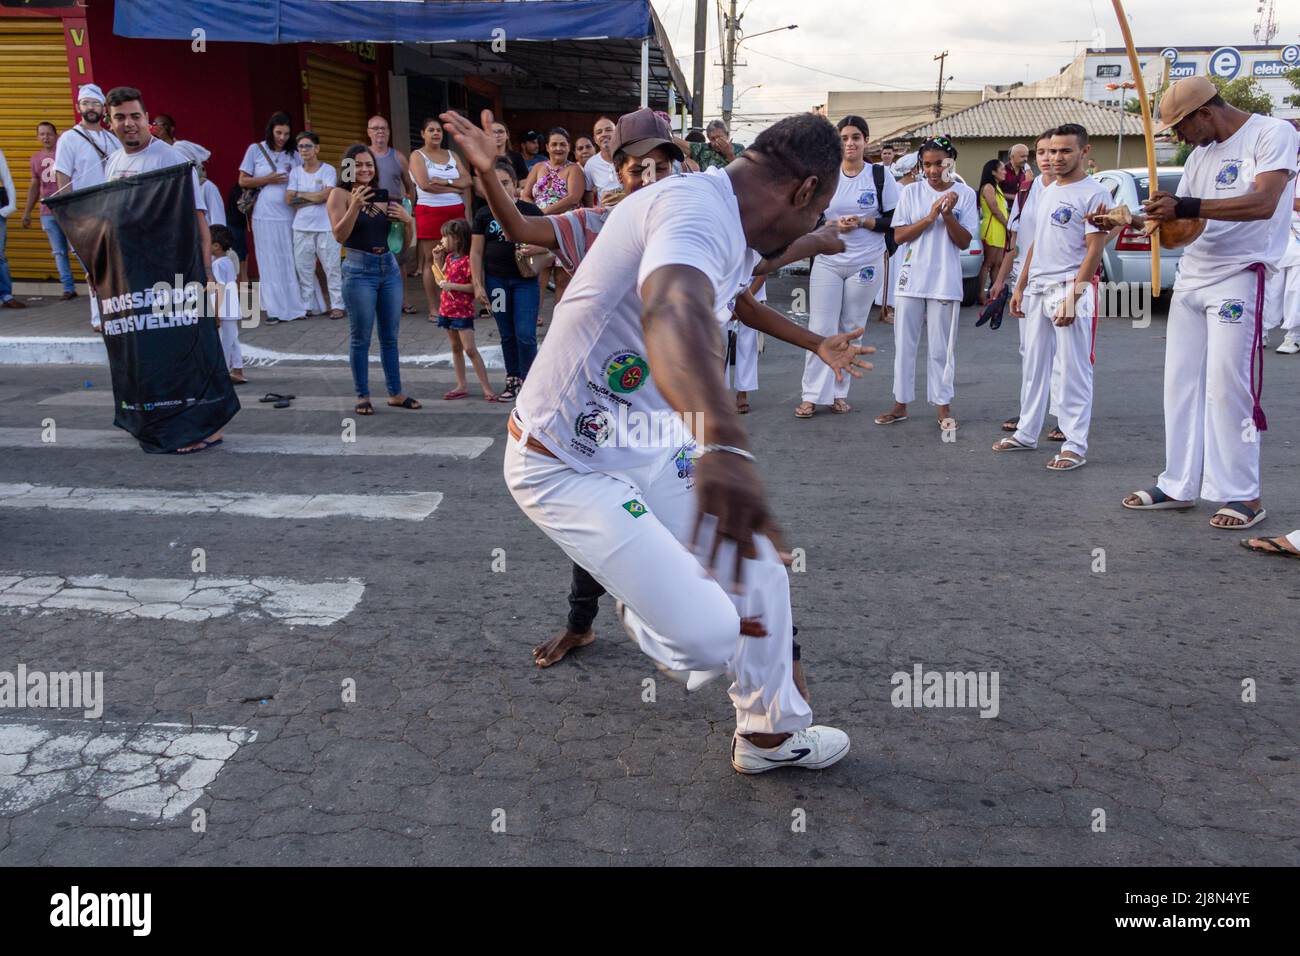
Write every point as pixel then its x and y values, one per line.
pixel 1234 181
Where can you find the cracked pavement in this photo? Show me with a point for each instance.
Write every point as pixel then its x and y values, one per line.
pixel 1119 690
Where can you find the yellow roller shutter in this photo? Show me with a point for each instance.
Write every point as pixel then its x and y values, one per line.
pixel 34 86
pixel 338 106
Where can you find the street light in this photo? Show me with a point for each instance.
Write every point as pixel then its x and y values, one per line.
pixel 793 26
pixel 1119 145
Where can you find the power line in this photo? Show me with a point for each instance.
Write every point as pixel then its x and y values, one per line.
pixel 842 76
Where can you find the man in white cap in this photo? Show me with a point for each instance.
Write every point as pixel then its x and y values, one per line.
pixel 1237 183
pixel 81 151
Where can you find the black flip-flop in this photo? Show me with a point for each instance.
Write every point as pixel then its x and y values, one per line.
pixel 407 402
pixel 282 403
pixel 277 398
pixel 1272 547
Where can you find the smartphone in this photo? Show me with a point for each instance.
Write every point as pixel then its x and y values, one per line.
pixel 379 197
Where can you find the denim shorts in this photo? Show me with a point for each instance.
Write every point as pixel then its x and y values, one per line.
pixel 450 323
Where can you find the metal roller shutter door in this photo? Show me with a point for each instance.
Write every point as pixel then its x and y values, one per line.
pixel 338 106
pixel 35 85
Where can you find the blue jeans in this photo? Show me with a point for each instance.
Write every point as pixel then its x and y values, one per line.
pixel 514 304
pixel 59 246
pixel 6 280
pixel 372 292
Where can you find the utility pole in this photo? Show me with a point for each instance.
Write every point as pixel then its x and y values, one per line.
pixel 697 78
pixel 938 102
pixel 729 63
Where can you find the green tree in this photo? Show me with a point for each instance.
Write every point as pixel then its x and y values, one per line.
pixel 1245 93
pixel 1132 105
pixel 1293 77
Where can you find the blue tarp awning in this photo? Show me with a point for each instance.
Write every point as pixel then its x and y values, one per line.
pixel 383 21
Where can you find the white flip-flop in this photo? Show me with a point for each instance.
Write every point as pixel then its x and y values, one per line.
pixel 1073 463
pixel 1010 444
pixel 1150 503
pixel 1235 509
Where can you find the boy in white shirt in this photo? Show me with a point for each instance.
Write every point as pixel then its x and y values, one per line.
pixel 1237 182
pixel 226 277
pixel 1056 298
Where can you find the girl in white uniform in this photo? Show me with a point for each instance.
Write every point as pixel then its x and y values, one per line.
pixel 843 286
pixel 934 218
pixel 266 167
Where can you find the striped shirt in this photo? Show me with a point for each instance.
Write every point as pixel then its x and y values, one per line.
pixel 575 231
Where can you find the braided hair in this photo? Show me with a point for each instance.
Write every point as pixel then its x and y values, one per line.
pixel 943 145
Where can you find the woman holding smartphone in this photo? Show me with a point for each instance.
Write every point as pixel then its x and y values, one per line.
pixel 372 278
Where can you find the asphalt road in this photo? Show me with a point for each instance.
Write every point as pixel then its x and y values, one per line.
pixel 1119 690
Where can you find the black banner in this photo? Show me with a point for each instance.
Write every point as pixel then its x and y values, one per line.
pixel 139 241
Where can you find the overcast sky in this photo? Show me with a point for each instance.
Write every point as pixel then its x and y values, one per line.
pixel 876 46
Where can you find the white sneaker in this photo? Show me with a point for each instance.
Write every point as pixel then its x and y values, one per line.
pixel 810 749
pixel 1290 344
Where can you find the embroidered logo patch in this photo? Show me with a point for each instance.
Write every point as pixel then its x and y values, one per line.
pixel 1062 215
pixel 867 198
pixel 1231 311
pixel 634 508
pixel 868 274
pixel 595 426
pixel 684 462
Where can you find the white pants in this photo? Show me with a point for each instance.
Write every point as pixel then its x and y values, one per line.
pixel 839 299
pixel 1288 308
pixel 743 376
pixel 1046 344
pixel 308 247
pixel 1056 365
pixel 230 343
pixel 632 532
pixel 1211 445
pixel 277 274
pixel 939 316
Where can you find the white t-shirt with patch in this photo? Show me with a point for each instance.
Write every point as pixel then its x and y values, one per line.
pixel 270 205
pixel 76 158
pixel 1023 221
pixel 856 196
pixel 589 397
pixel 1061 228
pixel 929 266
pixel 311 217
pixel 601 176
pixel 157 155
pixel 223 273
pixel 1228 169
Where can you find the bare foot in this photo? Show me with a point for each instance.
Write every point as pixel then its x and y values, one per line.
pixel 1234 521
pixel 553 651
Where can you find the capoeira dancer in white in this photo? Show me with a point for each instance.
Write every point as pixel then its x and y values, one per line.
pixel 1022 221
pixel 934 219
pixel 599 469
pixel 1288 283
pixel 1056 300
pixel 842 286
pixel 1238 182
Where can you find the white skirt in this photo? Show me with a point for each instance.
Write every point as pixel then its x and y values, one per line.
pixel 277 274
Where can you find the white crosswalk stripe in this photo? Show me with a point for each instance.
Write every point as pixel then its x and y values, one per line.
pixel 247 443
pixel 313 603
pixel 87 398
pixel 412 506
pixel 154 771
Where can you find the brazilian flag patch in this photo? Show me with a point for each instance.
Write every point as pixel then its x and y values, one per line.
pixel 634 508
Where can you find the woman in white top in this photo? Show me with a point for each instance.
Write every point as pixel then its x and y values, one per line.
pixel 842 286
pixel 935 217
pixel 266 168
pixel 310 184
pixel 440 186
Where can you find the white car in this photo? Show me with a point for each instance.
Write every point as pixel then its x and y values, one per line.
pixel 1128 256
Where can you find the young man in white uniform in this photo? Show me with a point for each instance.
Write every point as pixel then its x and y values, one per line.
pixel 1288 283
pixel 1238 180
pixel 1023 219
pixel 600 459
pixel 934 218
pixel 1056 300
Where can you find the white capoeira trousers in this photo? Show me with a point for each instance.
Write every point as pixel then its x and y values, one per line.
pixel 1289 307
pixel 632 532
pixel 743 376
pixel 1048 345
pixel 839 299
pixel 308 247
pixel 939 316
pixel 230 343
pixel 1211 445
pixel 277 274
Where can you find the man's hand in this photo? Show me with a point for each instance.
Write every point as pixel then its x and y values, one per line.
pixel 727 488
pixel 840 353
pixel 828 239
pixel 1017 303
pixel 27 221
pixel 478 145
pixel 1160 206
pixel 1066 308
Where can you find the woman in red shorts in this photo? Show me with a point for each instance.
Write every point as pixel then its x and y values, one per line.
pixel 440 185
